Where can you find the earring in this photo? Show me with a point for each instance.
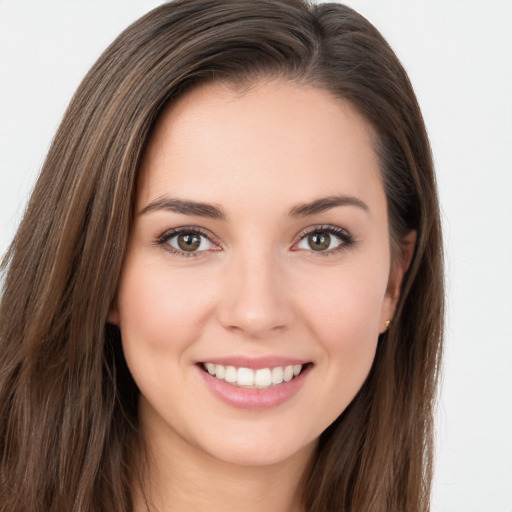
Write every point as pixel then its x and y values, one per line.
pixel 387 323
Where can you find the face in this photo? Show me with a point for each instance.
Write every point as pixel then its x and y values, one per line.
pixel 257 277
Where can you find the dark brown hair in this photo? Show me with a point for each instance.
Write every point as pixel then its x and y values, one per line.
pixel 68 406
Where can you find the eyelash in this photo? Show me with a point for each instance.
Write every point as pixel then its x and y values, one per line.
pixel 163 240
pixel 340 234
pixel 347 240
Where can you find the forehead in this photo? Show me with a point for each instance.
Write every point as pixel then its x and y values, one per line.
pixel 274 139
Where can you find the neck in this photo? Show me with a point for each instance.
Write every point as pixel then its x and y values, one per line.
pixel 179 477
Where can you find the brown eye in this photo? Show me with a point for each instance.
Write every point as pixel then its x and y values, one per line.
pixel 319 241
pixel 189 242
pixel 327 239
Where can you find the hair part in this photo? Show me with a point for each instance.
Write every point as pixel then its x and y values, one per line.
pixel 68 404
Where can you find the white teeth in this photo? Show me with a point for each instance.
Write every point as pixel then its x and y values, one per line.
pixel 230 374
pixel 288 373
pixel 263 378
pixel 245 377
pixel 220 371
pixel 249 378
pixel 277 375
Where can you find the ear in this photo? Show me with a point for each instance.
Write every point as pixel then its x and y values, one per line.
pixel 396 276
pixel 113 316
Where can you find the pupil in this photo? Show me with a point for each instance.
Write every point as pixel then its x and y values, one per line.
pixel 189 242
pixel 319 242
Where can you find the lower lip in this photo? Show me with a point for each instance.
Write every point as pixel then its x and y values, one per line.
pixel 255 399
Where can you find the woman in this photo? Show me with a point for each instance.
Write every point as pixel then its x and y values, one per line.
pixel 227 288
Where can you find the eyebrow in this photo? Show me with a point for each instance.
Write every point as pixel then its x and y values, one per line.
pixel 326 203
pixel 199 209
pixel 185 207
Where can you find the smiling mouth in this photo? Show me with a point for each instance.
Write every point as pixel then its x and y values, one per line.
pixel 261 378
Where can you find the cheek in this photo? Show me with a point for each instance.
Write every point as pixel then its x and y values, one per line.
pixel 160 310
pixel 350 300
pixel 343 317
pixel 343 312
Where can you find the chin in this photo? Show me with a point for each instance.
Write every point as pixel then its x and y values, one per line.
pixel 261 451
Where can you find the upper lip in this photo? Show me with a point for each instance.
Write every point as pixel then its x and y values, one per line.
pixel 255 363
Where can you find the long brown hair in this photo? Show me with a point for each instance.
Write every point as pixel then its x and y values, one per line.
pixel 68 405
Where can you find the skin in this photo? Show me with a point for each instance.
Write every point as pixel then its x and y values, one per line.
pixel 257 288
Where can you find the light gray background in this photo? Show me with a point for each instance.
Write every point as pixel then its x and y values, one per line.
pixel 459 56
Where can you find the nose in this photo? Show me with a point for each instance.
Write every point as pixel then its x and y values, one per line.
pixel 255 300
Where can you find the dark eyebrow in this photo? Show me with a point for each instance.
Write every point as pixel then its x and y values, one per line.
pixel 326 203
pixel 199 209
pixel 186 207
